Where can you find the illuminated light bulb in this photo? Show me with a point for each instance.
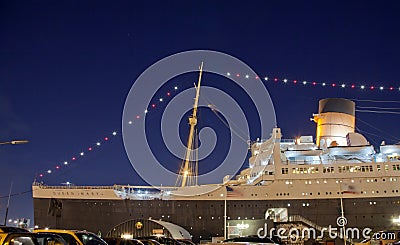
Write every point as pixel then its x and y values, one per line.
pixel 115 133
pixel 266 78
pixel 323 84
pixel 105 138
pixel 145 111
pixel 57 167
pixel 372 87
pixel 73 158
pixel 304 82
pixel 176 88
pixel 49 171
pixel 40 175
pixel 314 83
pixel 161 99
pixel 381 87
pixel 137 117
pixel 65 163
pixel 257 77
pixel 353 86
pixel 238 75
pixel 98 143
pixel 168 94
pixel 391 88
pixel 294 81
pixel 82 153
pixel 275 79
pixel 130 122
pixel 228 73
pixel 153 105
pixel 90 148
pixel 285 80
pixel 343 85
pixel 333 84
pixel 247 76
pixel 362 87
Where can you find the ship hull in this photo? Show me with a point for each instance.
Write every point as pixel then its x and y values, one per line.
pixel 205 218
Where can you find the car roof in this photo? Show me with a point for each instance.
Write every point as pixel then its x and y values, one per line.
pixel 7 229
pixel 60 231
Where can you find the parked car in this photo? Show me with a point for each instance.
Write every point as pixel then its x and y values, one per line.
pixel 18 238
pixel 149 241
pixel 50 239
pixel 8 229
pixel 75 237
pixel 162 240
pixel 252 239
pixel 186 242
pixel 122 241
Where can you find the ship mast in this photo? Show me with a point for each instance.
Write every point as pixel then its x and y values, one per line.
pixel 186 169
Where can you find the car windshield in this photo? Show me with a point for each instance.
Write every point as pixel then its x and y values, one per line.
pixel 90 239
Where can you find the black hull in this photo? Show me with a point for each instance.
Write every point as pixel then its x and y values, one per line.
pixel 205 219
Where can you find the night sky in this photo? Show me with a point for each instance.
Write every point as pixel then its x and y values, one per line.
pixel 66 68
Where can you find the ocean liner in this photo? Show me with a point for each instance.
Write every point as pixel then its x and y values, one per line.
pixel 290 182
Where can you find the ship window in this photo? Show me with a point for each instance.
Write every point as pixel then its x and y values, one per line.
pixel 285 170
pixel 328 170
pixel 378 168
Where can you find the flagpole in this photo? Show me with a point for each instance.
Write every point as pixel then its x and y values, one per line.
pixel 8 204
pixel 342 211
pixel 226 192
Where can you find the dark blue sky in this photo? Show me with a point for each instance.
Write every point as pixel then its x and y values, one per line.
pixel 66 68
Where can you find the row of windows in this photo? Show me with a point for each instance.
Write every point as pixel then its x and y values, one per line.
pixel 341 169
pixel 309 182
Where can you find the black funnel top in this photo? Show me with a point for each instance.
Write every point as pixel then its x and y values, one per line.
pixel 337 105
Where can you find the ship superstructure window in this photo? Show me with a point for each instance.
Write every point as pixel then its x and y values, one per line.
pixel 378 168
pixel 366 168
pixel 396 167
pixel 328 170
pixel 344 169
pixel 285 170
pixel 301 170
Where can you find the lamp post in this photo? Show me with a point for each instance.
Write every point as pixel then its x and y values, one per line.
pixel 13 142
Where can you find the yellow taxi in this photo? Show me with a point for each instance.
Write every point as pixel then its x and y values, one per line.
pixel 16 236
pixel 74 237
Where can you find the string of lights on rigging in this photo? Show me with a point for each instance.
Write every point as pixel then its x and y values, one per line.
pixel 105 139
pixel 154 105
pixel 315 83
